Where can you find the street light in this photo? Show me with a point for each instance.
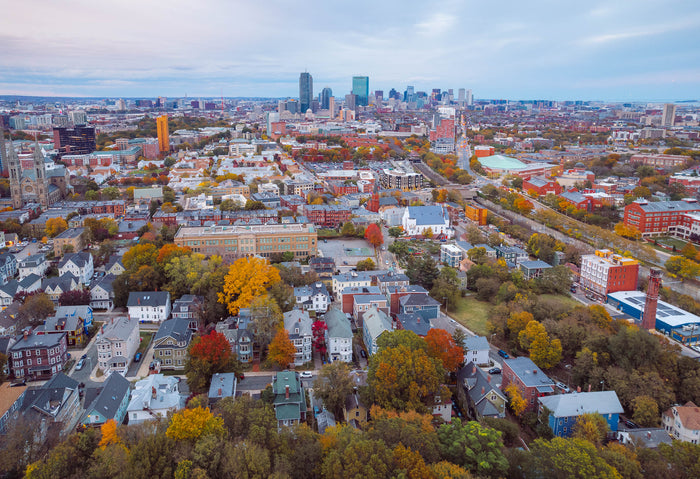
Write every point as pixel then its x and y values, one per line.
pixel 603 385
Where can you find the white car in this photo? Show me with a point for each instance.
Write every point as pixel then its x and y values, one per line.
pixel 306 374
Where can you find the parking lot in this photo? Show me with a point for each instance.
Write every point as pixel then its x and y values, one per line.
pixel 337 249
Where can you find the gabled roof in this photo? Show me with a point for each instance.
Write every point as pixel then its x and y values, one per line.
pixel 105 283
pixel 376 322
pixel 338 324
pixel 176 328
pixel 28 281
pixel 109 397
pixel 297 318
pixel 114 259
pixel 418 299
pixel 576 404
pixel 55 392
pixel 476 343
pixel 475 381
pixel 573 196
pixel 81 259
pixel 428 215
pixel 118 329
pixel 33 260
pixel 148 298
pixel 528 372
pixel 688 414
pixel 414 322
pixel 65 282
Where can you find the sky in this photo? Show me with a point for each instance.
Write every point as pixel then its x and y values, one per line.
pixel 614 50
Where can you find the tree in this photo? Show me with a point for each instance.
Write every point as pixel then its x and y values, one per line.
pixel 428 233
pixel 523 206
pixel 266 318
pixel 140 255
pixel 247 278
pixel 627 231
pixel 366 265
pixel 191 424
pixel 442 346
pixel 516 401
pixel 422 271
pixel 591 427
pixel 74 297
pixel 373 234
pixel 111 192
pixel 475 447
pixel 109 433
pixel 544 352
pixel 446 287
pixel 396 231
pixel 208 355
pixel 36 308
pixel 56 226
pixel 333 385
pixel 281 350
pixel 682 267
pixel 646 411
pixel 556 280
pixel 518 321
pixel 283 295
pixel 458 336
pixel 319 328
pixel 568 459
pixel 348 229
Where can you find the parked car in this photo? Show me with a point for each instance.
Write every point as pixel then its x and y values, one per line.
pixel 137 358
pixel 363 353
pixel 503 354
pixel 563 387
pixel 495 371
pixel 80 364
pixel 306 374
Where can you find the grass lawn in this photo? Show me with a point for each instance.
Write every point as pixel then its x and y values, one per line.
pixel 472 314
pixel 668 241
pixel 563 299
pixel 145 341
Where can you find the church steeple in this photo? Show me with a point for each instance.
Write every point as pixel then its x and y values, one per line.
pixel 40 172
pixel 15 174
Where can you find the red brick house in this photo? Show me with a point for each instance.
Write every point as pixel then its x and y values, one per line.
pixel 38 356
pixel 528 378
pixel 542 186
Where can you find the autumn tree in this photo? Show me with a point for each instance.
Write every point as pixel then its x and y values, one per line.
pixel 442 346
pixel 366 265
pixel 518 321
pixel 373 234
pixel 247 279
pixel 544 352
pixel 281 350
pixel 568 458
pixel 169 251
pixel 516 401
pixel 348 229
pixel 428 233
pixel 333 385
pixel 591 427
pixel 140 255
pixel 191 424
pixel 475 447
pixel 109 433
pixel 396 231
pixel 75 297
pixel 645 411
pixel 627 231
pixel 318 329
pixel 266 318
pixel 56 226
pixel 208 355
pixel 35 309
pixel 682 267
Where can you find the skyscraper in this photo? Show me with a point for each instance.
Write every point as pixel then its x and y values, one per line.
pixel 461 95
pixel 360 88
pixel 163 138
pixel 306 91
pixel 470 98
pixel 326 94
pixel 669 115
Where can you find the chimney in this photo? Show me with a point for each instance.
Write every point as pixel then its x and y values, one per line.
pixel 483 390
pixel 534 371
pixel 589 388
pixel 488 378
pixel 474 369
pixel 652 299
pixel 153 392
pixel 26 333
pixel 138 301
pixel 578 389
pixel 219 392
pixel 286 391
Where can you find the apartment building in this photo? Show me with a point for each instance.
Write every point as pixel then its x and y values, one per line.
pixel 38 356
pixel 72 237
pixel 659 217
pixel 604 272
pixel 255 240
pixel 116 344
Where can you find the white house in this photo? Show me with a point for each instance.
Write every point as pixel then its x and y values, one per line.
pixel 476 350
pixel 153 397
pixel 79 265
pixel 149 306
pixel 102 293
pixel 313 297
pixel 417 219
pixel 338 336
pixel 34 264
pixel 683 422
pixel 298 324
pixel 116 344
pixel 374 323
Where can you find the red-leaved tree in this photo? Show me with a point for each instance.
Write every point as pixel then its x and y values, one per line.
pixel 319 329
pixel 442 346
pixel 213 349
pixel 373 234
pixel 74 298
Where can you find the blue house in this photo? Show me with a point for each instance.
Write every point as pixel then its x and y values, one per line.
pixel 564 409
pixel 107 402
pixel 421 304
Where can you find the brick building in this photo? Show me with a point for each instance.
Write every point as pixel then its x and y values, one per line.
pixel 528 378
pixel 604 272
pixel 38 356
pixel 542 186
pixel 660 217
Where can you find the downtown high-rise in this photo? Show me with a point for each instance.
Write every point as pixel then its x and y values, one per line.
pixel 306 91
pixel 360 88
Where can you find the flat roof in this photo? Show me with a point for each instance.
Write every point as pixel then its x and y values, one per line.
pixel 666 313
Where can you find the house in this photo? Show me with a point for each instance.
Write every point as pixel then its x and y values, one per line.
pixel 374 323
pixel 354 410
pixel 153 397
pixel 565 409
pixel 290 398
pixel 56 286
pixel 8 291
pixel 56 404
pixel 33 264
pixel 237 334
pixel 451 255
pixel 298 325
pixel 391 280
pixel 102 292
pixel 528 378
pixel 223 385
pixel 683 422
pixel 313 297
pixel 512 254
pixel 114 265
pixel 8 321
pixel 323 267
pixel 189 307
pixel 649 438
pixel 541 186
pixel 353 279
pixel 38 356
pixel 71 319
pixel 107 401
pixel 116 344
pixel 476 394
pixel 171 342
pixel 8 266
pixel 533 269
pixel 365 302
pixel 579 201
pixel 338 336
pixel 476 350
pixel 421 304
pixel 347 296
pixel 71 240
pixel 440 407
pixel 149 306
pixel 394 294
pixel 413 322
pixel 417 220
pixel 11 399
pixel 79 265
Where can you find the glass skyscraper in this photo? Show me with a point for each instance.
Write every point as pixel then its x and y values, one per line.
pixel 306 91
pixel 326 95
pixel 360 88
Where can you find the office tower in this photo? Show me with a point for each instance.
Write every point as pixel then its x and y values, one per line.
pixel 394 94
pixel 306 91
pixel 350 101
pixel 360 88
pixel 78 141
pixel 78 117
pixel 379 95
pixel 410 94
pixel 331 107
pixel 326 94
pixel 669 115
pixel 461 95
pixel 470 98
pixel 163 138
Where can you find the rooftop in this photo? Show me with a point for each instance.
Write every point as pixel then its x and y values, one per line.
pixel 576 404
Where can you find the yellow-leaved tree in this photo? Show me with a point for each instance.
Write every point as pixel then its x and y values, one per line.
pixel 56 226
pixel 517 403
pixel 247 279
pixel 109 434
pixel 191 424
pixel 544 352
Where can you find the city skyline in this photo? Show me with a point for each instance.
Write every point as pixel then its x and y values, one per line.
pixel 609 51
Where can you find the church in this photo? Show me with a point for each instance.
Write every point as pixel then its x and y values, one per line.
pixel 34 184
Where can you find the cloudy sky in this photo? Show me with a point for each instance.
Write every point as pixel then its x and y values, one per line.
pixel 541 49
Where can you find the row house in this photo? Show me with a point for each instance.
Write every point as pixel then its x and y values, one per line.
pixel 327 216
pixel 391 280
pixel 38 356
pixel 298 325
pixel 340 188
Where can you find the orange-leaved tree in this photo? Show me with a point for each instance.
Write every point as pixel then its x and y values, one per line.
pixel 55 226
pixel 373 234
pixel 442 346
pixel 191 424
pixel 247 279
pixel 281 350
pixel 170 251
pixel 109 433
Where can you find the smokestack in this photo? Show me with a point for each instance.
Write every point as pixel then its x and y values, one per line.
pixel 652 300
pixel 286 391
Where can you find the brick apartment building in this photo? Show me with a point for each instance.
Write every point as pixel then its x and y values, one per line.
pixel 542 186
pixel 659 161
pixel 38 356
pixel 604 272
pixel 327 216
pixel 660 217
pixel 528 378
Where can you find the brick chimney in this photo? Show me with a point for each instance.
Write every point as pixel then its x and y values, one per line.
pixel 286 391
pixel 488 378
pixel 483 390
pixel 26 333
pixel 474 369
pixel 153 392
pixel 652 299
